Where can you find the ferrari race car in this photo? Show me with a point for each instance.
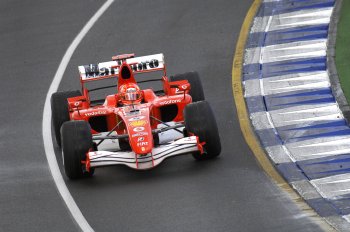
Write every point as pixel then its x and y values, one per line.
pixel 133 126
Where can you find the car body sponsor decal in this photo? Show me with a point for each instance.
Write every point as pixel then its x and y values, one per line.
pixel 140 144
pixel 136 118
pixel 95 113
pixel 138 129
pixel 138 123
pixel 139 134
pixel 168 102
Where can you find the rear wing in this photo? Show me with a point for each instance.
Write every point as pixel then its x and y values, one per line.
pixel 110 69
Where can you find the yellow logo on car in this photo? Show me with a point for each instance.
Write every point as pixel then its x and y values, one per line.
pixel 138 123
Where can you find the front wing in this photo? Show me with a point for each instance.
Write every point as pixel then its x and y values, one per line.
pixel 129 158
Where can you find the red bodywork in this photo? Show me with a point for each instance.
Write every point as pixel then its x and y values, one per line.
pixel 137 120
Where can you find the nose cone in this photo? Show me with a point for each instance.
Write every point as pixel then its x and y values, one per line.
pixel 140 136
pixel 142 145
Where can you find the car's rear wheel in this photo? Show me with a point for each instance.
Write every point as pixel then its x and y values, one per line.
pixel 59 109
pixel 200 121
pixel 76 142
pixel 196 90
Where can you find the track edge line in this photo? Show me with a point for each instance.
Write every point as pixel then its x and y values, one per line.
pixel 46 124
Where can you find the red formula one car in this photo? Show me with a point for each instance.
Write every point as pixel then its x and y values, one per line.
pixel 134 127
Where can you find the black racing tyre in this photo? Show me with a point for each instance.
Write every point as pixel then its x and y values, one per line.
pixel 196 90
pixel 59 109
pixel 76 141
pixel 200 121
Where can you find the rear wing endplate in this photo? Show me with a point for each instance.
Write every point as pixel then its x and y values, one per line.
pixel 110 69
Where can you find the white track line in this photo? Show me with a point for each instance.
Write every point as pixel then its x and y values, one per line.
pixel 46 126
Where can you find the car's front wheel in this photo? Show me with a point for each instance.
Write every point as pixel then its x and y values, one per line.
pixel 76 142
pixel 200 121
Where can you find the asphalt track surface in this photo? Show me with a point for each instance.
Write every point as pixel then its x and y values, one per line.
pixel 230 193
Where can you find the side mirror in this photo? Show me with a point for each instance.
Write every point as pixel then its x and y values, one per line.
pixel 181 87
pixel 184 87
pixel 75 104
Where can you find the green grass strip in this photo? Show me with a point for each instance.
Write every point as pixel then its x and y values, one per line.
pixel 342 51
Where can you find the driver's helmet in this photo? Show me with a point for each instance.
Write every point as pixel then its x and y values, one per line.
pixel 130 94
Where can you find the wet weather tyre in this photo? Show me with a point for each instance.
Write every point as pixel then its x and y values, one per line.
pixel 200 121
pixel 59 110
pixel 196 90
pixel 76 141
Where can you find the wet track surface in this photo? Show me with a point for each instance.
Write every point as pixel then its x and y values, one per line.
pixel 230 193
